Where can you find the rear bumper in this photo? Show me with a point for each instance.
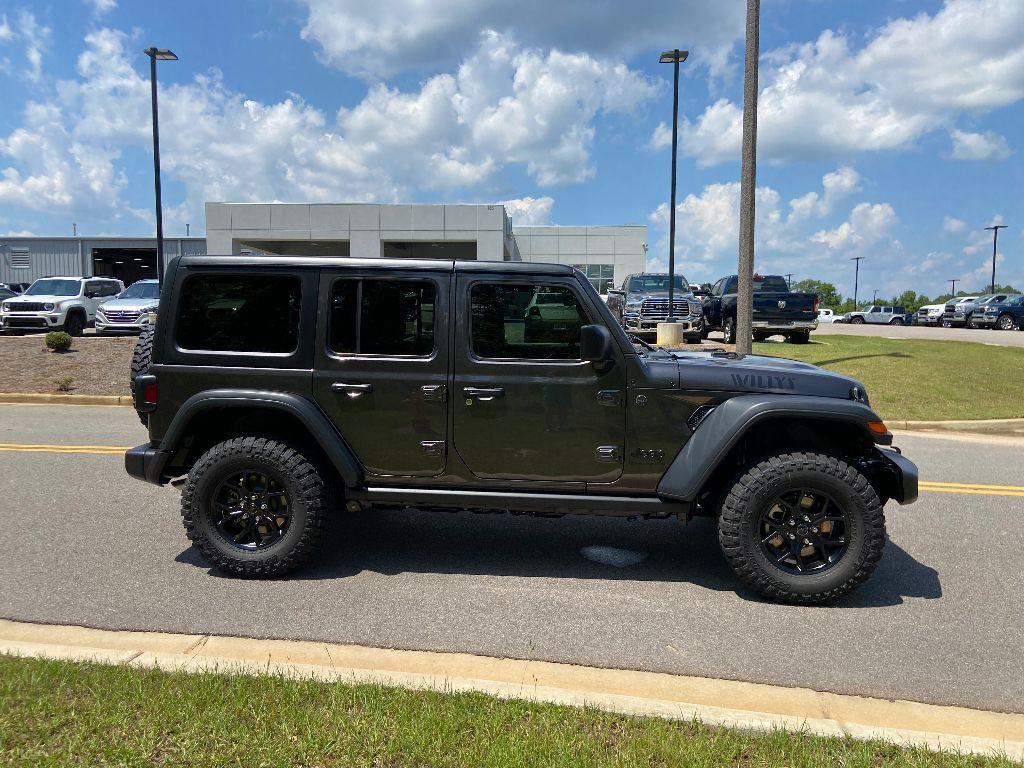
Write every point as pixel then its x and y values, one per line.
pixel 146 462
pixel 902 476
pixel 782 327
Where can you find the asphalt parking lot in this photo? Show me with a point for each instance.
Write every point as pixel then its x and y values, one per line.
pixel 926 333
pixel 939 622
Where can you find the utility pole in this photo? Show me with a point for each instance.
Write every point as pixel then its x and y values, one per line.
pixel 157 54
pixel 995 239
pixel 748 179
pixel 789 280
pixel 186 230
pixel 856 279
pixel 952 287
pixel 74 229
pixel 874 298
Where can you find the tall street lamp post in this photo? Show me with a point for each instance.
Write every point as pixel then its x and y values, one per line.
pixel 995 239
pixel 674 57
pixel 856 279
pixel 162 54
pixel 952 288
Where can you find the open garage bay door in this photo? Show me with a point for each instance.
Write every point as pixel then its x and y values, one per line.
pixel 124 264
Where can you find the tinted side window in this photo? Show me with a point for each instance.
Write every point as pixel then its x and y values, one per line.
pixel 730 285
pixel 526 322
pixel 382 317
pixel 240 313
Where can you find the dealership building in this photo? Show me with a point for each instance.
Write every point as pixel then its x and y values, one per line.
pixel 606 254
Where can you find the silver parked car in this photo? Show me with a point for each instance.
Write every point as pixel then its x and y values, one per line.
pixel 130 310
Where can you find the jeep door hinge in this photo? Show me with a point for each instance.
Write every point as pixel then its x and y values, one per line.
pixel 433 447
pixel 435 392
pixel 609 453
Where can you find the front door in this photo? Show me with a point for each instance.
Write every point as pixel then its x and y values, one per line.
pixel 381 368
pixel 525 407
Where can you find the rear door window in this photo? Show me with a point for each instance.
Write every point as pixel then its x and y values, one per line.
pixel 239 313
pixel 382 317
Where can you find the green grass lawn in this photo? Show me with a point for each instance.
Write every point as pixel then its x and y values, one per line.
pixel 55 713
pixel 921 380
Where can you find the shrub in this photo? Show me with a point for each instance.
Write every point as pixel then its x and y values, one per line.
pixel 64 384
pixel 58 341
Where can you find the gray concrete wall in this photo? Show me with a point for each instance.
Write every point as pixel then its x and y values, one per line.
pixel 620 246
pixel 231 226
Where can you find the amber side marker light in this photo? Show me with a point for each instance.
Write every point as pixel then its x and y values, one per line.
pixel 878 427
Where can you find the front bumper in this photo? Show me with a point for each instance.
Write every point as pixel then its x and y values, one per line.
pixel 635 322
pixel 108 327
pixel 901 476
pixel 27 321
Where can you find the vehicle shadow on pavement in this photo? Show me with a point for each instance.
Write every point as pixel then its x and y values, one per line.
pixel 394 542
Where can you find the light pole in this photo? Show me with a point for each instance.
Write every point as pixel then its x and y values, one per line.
pixel 874 298
pixel 789 280
pixel 674 57
pixel 162 54
pixel 995 239
pixel 856 279
pixel 952 287
pixel 748 179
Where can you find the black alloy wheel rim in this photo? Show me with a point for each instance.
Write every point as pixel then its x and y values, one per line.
pixel 251 510
pixel 803 531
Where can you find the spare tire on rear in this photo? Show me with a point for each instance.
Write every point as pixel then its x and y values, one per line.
pixel 142 362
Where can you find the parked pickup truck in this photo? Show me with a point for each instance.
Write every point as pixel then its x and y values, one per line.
pixel 879 316
pixel 777 310
pixel 642 302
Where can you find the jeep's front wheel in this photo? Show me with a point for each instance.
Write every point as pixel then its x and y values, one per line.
pixel 254 507
pixel 802 528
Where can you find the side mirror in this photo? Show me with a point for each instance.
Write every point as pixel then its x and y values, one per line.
pixel 595 343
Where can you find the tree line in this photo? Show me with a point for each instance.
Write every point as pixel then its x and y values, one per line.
pixel 913 301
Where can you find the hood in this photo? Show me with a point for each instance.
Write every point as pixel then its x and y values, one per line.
pixel 136 305
pixel 757 373
pixel 40 299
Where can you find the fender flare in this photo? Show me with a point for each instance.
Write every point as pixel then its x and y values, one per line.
pixel 319 427
pixel 729 422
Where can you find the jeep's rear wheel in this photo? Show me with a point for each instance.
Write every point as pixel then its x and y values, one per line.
pixel 254 507
pixel 142 362
pixel 802 528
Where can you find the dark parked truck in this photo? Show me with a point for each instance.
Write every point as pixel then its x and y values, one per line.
pixel 642 302
pixel 777 310
pixel 281 391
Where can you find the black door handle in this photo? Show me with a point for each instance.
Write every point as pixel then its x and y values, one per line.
pixel 352 390
pixel 483 393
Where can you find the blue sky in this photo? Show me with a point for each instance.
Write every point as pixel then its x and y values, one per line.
pixel 890 129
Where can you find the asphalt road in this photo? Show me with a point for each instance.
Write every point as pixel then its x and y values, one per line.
pixel 939 622
pixel 926 332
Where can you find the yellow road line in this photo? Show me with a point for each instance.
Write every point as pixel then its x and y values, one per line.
pixel 40 448
pixel 975 491
pixel 983 486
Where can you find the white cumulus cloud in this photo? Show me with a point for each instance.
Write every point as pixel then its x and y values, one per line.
pixel 529 211
pixel 979 146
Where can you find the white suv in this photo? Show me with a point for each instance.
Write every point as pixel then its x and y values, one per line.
pixel 58 304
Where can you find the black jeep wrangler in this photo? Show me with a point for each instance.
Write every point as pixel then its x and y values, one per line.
pixel 277 389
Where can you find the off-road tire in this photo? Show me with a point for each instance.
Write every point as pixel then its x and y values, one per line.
pixel 142 362
pixel 307 493
pixel 758 485
pixel 800 337
pixel 74 324
pixel 729 330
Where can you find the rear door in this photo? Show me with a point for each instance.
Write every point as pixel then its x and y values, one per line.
pixel 525 406
pixel 381 366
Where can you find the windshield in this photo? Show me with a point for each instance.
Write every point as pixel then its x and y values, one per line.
pixel 50 287
pixel 653 283
pixel 770 284
pixel 141 290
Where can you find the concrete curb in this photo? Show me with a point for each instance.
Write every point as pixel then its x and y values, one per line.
pixel 1012 427
pixel 714 702
pixel 59 399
